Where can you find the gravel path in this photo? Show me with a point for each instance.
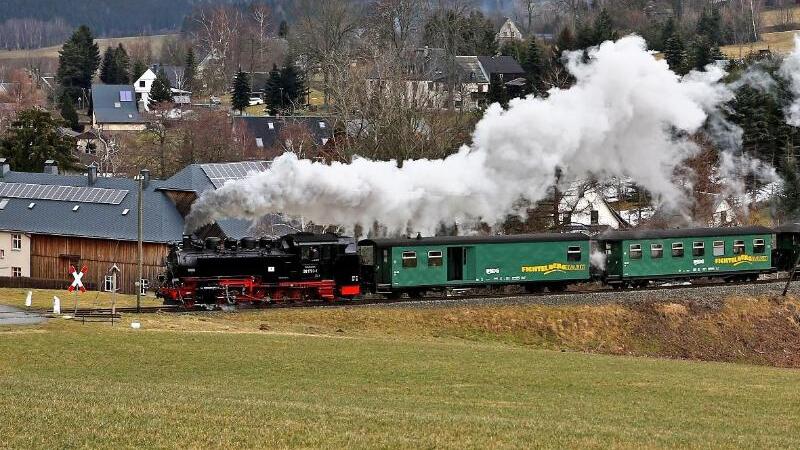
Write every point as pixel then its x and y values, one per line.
pixel 13 316
pixel 699 294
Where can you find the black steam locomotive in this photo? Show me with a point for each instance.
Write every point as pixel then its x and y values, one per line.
pixel 296 267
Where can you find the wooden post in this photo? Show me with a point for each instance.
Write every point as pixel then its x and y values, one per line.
pixel 140 223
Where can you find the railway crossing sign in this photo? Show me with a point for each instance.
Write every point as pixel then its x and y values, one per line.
pixel 77 283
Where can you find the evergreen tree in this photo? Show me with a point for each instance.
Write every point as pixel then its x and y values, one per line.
pixel 710 25
pixel 565 40
pixel 240 98
pixel 272 91
pixel 535 65
pixel 515 49
pixel 33 138
pixel 160 91
pixel 497 91
pixel 78 61
pixel 675 54
pixel 584 37
pixel 107 68
pixel 604 28
pixel 138 69
pixel 68 112
pixel 190 71
pixel 789 202
pixel 121 66
pixel 293 83
pixel 703 53
pixel 283 29
pixel 669 30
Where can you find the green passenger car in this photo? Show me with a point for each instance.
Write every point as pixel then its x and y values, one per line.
pixel 393 266
pixel 787 246
pixel 635 257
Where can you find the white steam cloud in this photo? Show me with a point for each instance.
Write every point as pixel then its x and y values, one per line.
pixel 627 115
pixel 790 69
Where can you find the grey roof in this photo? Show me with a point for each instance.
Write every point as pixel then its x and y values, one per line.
pixel 506 65
pixel 613 235
pixel 471 69
pixel 162 222
pixel 259 128
pixel 175 74
pixel 106 97
pixel 469 240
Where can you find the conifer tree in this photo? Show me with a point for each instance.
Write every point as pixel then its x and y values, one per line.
pixel 240 98
pixel 138 69
pixel 283 29
pixel 604 28
pixel 107 68
pixel 78 61
pixel 33 138
pixel 190 71
pixel 535 65
pixel 293 83
pixel 675 54
pixel 121 66
pixel 68 112
pixel 497 91
pixel 160 91
pixel 272 91
pixel 565 40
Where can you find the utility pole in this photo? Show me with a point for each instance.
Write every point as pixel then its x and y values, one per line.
pixel 139 229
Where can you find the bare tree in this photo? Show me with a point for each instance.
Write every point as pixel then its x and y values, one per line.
pixel 324 33
pixel 262 15
pixel 399 23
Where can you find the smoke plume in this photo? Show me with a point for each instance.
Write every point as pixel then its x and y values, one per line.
pixel 626 116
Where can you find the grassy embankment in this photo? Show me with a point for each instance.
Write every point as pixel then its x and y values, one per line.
pixel 396 377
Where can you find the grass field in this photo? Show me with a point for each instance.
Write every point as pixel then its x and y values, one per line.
pixel 68 385
pixel 781 43
pixel 155 42
pixel 43 298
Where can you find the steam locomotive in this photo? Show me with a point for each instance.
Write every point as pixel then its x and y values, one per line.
pixel 296 267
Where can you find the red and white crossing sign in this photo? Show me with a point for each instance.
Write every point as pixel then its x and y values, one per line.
pixel 77 283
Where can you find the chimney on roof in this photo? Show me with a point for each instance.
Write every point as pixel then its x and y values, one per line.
pixel 91 174
pixel 4 167
pixel 51 167
pixel 145 174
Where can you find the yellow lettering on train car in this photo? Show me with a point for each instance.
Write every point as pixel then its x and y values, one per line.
pixel 553 267
pixel 741 259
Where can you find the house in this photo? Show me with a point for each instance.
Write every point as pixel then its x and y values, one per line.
pixel 305 135
pixel 587 207
pixel 49 221
pixel 508 33
pixel 177 82
pixel 114 108
pixel 143 85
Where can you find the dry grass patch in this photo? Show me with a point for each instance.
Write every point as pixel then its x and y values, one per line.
pixel 43 299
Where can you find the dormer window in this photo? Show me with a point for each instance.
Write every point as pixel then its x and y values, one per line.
pixel 117 105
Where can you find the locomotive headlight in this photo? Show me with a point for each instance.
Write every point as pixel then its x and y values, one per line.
pixel 354 278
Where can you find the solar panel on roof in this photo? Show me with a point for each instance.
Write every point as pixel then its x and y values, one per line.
pixel 219 173
pixel 62 193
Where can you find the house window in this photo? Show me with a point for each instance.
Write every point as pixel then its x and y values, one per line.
pixel 117 105
pixel 125 96
pixel 698 249
pixel 719 248
pixel 270 125
pixel 2 253
pixel 409 259
pixel 595 217
pixel 656 251
pixel 16 242
pixel 16 272
pixel 142 83
pixel 635 251
pixel 259 143
pixel 109 285
pixel 322 124
pixel 738 248
pixel 434 258
pixel 573 253
pixel 759 246
pixel 3 203
pixel 677 249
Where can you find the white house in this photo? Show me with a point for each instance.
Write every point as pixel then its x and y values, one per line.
pixel 508 33
pixel 585 206
pixel 15 252
pixel 143 86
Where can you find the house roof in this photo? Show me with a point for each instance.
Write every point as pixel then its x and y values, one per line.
pixel 162 222
pixel 506 65
pixel 175 74
pixel 268 128
pixel 472 72
pixel 109 106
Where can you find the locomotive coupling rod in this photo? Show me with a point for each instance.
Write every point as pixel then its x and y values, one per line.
pixel 791 275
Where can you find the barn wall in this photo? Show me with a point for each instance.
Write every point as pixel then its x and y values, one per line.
pixel 51 257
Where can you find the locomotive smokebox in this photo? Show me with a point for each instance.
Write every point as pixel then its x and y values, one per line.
pixel 187 241
pixel 248 243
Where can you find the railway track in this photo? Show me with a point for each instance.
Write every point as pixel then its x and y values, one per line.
pixel 431 300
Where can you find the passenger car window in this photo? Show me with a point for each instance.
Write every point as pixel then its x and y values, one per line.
pixel 656 250
pixel 635 251
pixel 677 249
pixel 409 259
pixel 573 253
pixel 738 248
pixel 719 248
pixel 434 258
pixel 698 249
pixel 758 246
